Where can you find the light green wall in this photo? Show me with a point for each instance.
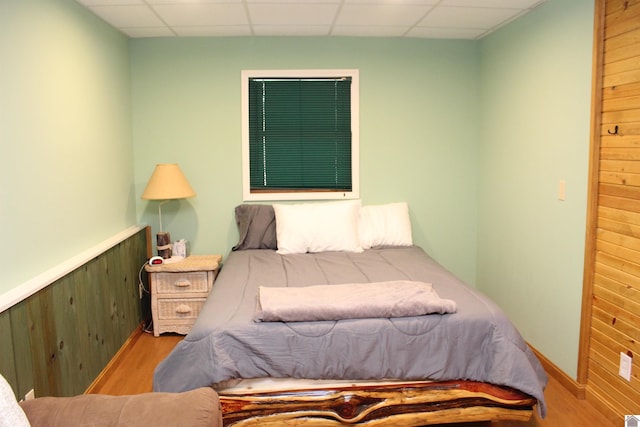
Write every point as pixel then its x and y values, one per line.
pixel 536 81
pixel 66 181
pixel 418 130
pixel 474 135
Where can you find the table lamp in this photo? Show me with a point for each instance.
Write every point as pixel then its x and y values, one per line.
pixel 166 183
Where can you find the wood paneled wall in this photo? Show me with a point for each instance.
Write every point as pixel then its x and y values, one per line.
pixel 612 296
pixel 58 340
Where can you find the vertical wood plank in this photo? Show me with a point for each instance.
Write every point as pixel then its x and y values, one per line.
pixel 108 290
pixel 95 280
pixel 86 364
pixel 7 360
pixel 129 299
pixel 21 330
pixel 42 339
pixel 67 338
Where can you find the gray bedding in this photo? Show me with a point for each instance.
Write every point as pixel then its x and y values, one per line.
pixel 393 298
pixel 478 342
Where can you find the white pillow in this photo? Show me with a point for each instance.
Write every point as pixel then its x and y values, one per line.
pixel 317 227
pixel 11 414
pixel 385 225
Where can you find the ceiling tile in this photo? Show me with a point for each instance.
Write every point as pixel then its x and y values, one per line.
pixel 292 14
pixel 291 30
pixel 289 2
pixel 202 14
pixel 470 17
pixel 507 4
pixel 140 32
pixel 369 31
pixel 395 2
pixel 218 30
pixel 129 16
pixel 381 15
pixel 109 2
pixel 445 33
pixel 188 2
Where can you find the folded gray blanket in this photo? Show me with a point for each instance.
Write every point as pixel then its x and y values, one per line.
pixel 401 298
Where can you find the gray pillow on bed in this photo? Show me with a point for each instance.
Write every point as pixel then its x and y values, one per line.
pixel 256 226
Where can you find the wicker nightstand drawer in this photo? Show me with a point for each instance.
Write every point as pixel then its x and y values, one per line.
pixel 187 282
pixel 179 308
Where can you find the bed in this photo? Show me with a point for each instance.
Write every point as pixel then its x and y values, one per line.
pixel 468 364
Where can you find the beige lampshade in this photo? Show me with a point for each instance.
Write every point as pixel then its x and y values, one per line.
pixel 167 182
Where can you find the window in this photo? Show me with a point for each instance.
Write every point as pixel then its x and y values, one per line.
pixel 300 134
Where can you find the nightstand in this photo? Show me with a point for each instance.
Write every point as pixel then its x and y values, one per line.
pixel 179 290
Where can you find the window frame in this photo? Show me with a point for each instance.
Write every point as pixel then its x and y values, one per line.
pixel 274 195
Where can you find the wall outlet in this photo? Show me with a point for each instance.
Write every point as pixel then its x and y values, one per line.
pixel 625 366
pixel 31 394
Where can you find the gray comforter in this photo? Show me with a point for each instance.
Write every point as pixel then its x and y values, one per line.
pixel 478 342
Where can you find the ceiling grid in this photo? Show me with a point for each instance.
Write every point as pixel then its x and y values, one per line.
pixel 445 19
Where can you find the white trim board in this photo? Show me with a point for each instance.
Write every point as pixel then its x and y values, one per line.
pixel 30 287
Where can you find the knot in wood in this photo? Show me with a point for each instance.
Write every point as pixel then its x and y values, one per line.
pixel 347 409
pixel 350 407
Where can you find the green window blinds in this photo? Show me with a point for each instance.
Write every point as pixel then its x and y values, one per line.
pixel 300 134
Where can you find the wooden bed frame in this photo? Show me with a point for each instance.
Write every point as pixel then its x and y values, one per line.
pixel 382 404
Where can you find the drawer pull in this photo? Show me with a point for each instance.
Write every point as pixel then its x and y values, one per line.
pixel 182 284
pixel 183 309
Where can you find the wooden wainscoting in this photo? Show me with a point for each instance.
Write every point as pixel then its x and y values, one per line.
pixel 58 340
pixel 611 297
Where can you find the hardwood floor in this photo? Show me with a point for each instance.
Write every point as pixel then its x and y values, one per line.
pixel 132 373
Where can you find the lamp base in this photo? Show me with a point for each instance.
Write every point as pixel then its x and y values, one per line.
pixel 163 240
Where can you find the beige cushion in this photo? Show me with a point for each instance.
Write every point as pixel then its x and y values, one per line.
pixel 194 408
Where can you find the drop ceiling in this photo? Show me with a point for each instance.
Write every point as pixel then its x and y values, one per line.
pixel 445 19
